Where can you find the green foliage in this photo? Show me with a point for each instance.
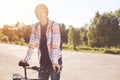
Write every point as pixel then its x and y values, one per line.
pixel 67 47
pixel 17 34
pixel 15 38
pixel 83 49
pixel 74 37
pixel 64 33
pixel 1 35
pixel 117 13
pixel 22 41
pixel 26 33
pixel 70 35
pixel 112 51
pixel 5 39
pixel 83 35
pixel 104 31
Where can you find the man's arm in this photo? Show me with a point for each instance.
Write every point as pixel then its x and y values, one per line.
pixel 55 43
pixel 56 46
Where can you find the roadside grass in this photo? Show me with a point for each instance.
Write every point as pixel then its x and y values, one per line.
pixel 83 49
pixel 15 43
pixel 111 50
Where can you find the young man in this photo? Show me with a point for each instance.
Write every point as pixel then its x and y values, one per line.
pixel 46 35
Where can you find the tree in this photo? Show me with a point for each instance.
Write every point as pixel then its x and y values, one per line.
pixel 83 35
pixel 91 34
pixel 7 31
pixel 104 31
pixel 117 13
pixel 70 35
pixel 74 37
pixel 1 35
pixel 26 33
pixel 64 33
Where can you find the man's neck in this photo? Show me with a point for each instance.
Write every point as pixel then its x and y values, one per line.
pixel 44 22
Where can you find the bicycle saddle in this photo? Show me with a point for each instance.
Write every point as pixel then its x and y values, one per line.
pixel 24 64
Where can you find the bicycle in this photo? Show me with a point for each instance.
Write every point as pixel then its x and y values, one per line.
pixel 25 66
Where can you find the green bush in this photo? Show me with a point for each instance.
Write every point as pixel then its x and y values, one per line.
pixel 110 51
pixel 5 39
pixel 84 48
pixel 67 47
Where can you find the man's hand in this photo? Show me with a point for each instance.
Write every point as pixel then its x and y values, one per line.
pixel 23 63
pixel 56 67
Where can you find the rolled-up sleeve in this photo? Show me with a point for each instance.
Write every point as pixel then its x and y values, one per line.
pixel 29 54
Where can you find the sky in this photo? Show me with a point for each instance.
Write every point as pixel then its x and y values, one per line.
pixel 70 12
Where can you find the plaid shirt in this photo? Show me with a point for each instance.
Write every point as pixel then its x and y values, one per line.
pixel 53 41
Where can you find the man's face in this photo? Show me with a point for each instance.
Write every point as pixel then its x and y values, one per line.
pixel 42 13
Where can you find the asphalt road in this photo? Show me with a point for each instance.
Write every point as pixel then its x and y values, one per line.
pixel 76 65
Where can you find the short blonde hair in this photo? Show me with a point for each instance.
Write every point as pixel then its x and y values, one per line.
pixel 39 6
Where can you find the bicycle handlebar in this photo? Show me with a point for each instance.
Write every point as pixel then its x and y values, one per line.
pixel 33 68
pixel 26 66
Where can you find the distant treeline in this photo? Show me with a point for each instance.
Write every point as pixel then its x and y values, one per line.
pixel 18 33
pixel 102 31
